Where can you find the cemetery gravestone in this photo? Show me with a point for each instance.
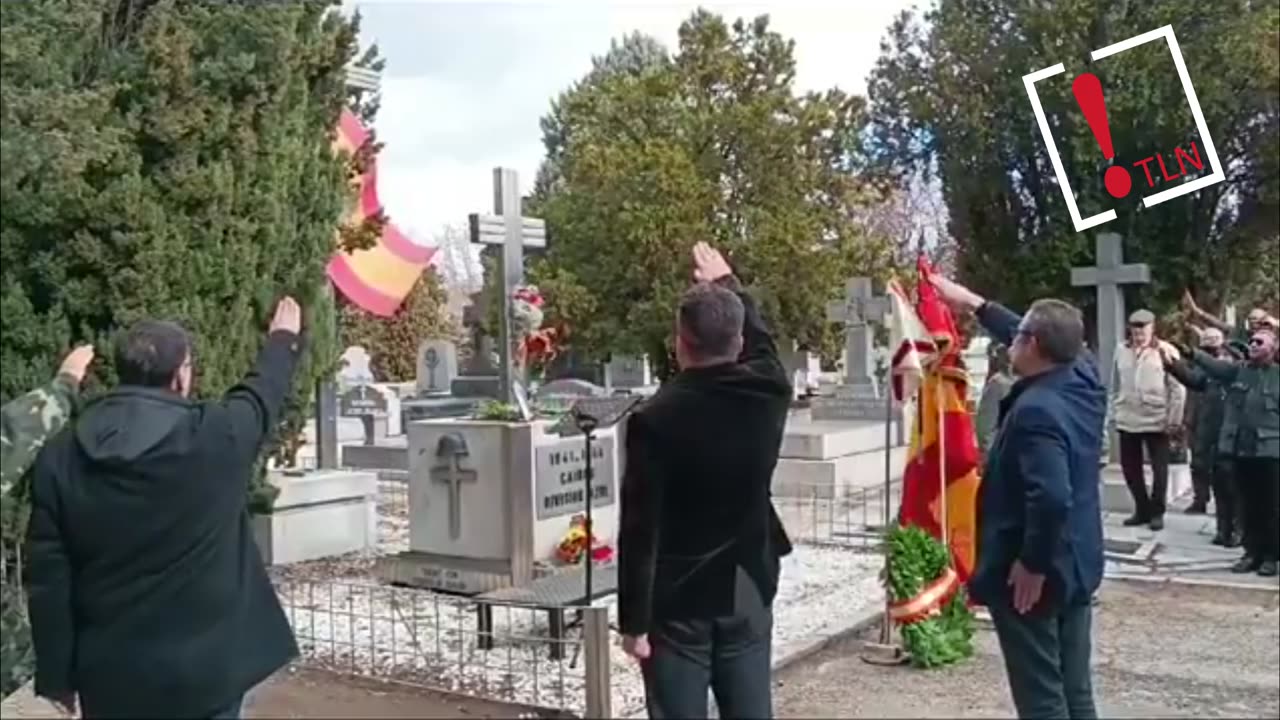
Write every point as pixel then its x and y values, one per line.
pixel 559 395
pixel 371 405
pixel 858 398
pixel 437 366
pixel 355 367
pixel 625 372
pixel 490 501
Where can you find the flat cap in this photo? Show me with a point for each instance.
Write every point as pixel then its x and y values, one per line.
pixel 1142 317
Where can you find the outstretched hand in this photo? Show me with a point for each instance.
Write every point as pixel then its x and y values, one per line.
pixel 955 294
pixel 288 317
pixel 708 264
pixel 76 363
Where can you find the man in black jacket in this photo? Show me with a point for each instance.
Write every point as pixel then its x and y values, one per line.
pixel 700 544
pixel 147 595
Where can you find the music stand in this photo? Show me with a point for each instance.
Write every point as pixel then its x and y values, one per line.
pixel 585 416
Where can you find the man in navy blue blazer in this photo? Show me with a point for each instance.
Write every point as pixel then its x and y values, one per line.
pixel 1040 556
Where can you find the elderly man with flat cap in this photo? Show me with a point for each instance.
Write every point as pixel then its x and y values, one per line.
pixel 1146 410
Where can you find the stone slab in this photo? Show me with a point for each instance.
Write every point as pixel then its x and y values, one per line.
pixel 824 440
pixel 319 514
pixel 392 454
pixel 448 573
pixel 837 478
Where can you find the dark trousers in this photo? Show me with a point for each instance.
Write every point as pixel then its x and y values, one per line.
pixel 1259 482
pixel 1201 483
pixel 1157 445
pixel 1227 508
pixel 730 655
pixel 1047 658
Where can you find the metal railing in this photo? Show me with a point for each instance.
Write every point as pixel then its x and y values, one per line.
pixel 851 518
pixel 432 640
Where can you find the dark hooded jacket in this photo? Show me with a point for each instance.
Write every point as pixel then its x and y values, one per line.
pixel 147 593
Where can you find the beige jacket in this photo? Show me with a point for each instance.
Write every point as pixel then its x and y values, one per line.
pixel 1144 398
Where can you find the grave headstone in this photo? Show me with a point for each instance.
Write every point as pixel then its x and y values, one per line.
pixel 559 395
pixel 1107 277
pixel 489 502
pixel 437 366
pixel 626 372
pixel 372 405
pixel 856 397
pixel 354 368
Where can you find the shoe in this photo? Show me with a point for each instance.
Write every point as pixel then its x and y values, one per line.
pixel 1246 564
pixel 1268 569
pixel 1197 508
pixel 1134 521
pixel 1157 524
pixel 1220 540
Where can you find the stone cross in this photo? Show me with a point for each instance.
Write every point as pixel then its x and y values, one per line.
pixel 452 474
pixel 514 232
pixel 859 307
pixel 1107 276
pixel 432 360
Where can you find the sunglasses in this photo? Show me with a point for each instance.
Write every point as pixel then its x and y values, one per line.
pixel 1257 342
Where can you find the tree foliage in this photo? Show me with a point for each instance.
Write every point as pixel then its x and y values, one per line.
pixel 948 93
pixel 167 158
pixel 652 151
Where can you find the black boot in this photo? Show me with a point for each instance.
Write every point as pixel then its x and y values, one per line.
pixel 1246 564
pixel 1135 520
pixel 1197 507
pixel 1157 523
pixel 1220 540
pixel 1235 540
pixel 1268 569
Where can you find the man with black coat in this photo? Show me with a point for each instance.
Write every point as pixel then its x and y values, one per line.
pixel 700 544
pixel 147 594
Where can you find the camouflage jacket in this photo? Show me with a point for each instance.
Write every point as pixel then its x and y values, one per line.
pixel 27 422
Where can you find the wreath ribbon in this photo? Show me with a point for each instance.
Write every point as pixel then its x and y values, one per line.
pixel 928 602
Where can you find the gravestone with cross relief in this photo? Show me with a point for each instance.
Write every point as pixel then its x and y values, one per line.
pixel 1107 276
pixel 437 366
pixel 858 397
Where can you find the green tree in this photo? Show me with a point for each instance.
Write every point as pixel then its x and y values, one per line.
pixel 169 158
pixel 652 151
pixel 947 95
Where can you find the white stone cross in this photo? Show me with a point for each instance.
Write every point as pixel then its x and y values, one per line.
pixel 514 232
pixel 1107 276
pixel 859 308
pixel 452 474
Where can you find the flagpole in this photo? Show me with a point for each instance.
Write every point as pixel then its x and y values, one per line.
pixel 942 456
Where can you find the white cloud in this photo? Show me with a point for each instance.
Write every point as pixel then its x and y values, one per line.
pixel 467 82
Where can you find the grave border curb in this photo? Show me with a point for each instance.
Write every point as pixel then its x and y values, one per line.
pixel 1160 579
pixel 864 622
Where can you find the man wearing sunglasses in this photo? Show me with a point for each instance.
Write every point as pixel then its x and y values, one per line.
pixel 1250 434
pixel 1146 409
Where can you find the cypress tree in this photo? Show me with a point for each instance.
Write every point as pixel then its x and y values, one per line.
pixel 165 158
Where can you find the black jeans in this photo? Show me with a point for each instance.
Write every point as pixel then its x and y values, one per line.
pixel 1047 657
pixel 730 655
pixel 1259 482
pixel 1146 506
pixel 1228 506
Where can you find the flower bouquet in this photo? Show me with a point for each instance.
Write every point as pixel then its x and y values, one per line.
pixel 574 544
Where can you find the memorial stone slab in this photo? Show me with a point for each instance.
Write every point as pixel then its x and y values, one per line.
pixel 560 474
pixel 437 366
pixel 628 371
pixel 857 311
pixel 354 367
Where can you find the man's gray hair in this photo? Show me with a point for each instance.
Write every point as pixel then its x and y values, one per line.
pixel 1058 329
pixel 710 320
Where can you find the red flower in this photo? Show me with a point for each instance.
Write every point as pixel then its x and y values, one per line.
pixel 527 295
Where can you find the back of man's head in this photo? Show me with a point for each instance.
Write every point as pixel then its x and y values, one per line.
pixel 708 325
pixel 151 353
pixel 1058 329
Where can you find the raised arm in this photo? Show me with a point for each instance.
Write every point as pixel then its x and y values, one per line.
pixel 642 491
pixel 26 422
pixel 253 406
pixel 1189 304
pixel 759 352
pixel 1224 371
pixel 1191 376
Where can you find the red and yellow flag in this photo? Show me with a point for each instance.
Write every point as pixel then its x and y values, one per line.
pixel 377 279
pixel 940 483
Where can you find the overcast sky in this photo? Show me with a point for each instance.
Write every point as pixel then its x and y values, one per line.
pixel 467 82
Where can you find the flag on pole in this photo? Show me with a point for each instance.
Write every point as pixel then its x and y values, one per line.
pixel 912 345
pixel 940 483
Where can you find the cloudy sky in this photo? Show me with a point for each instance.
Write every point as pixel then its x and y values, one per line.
pixel 466 82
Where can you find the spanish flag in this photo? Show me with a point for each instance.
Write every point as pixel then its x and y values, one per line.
pixel 376 279
pixel 940 483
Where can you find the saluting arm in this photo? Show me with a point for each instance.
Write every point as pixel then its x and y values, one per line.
pixel 27 421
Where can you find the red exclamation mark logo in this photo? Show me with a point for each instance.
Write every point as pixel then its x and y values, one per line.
pixel 1088 91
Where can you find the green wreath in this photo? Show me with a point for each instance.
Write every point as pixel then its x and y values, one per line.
pixel 916 559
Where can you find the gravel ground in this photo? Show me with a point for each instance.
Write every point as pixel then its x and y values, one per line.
pixel 1160 651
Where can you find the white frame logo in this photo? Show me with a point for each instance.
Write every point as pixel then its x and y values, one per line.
pixel 1189 186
